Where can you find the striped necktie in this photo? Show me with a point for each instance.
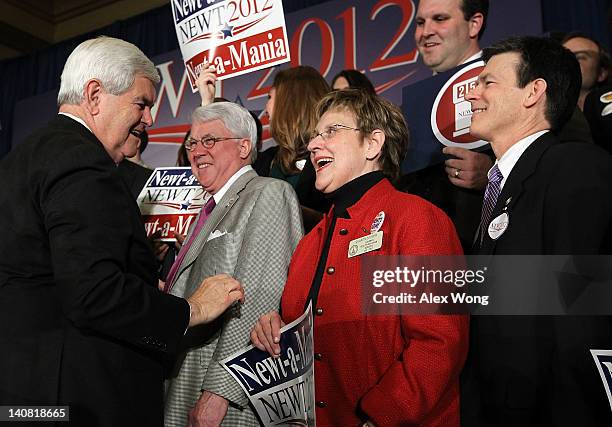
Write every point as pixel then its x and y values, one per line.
pixel 490 199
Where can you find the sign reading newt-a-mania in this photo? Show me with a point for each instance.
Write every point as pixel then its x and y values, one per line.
pixel 281 389
pixel 170 201
pixel 236 36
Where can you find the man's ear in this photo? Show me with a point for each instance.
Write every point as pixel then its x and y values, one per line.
pixel 93 92
pixel 245 147
pixel 537 90
pixel 375 142
pixel 475 23
pixel 602 75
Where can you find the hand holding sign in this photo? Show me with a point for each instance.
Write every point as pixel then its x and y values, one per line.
pixel 206 85
pixel 266 333
pixel 280 387
pixel 468 169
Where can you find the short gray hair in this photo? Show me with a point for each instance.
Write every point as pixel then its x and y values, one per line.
pixel 114 62
pixel 234 117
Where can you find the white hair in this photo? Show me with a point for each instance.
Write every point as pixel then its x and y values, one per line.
pixel 234 117
pixel 114 62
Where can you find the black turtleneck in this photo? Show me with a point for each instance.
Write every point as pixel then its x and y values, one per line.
pixel 342 199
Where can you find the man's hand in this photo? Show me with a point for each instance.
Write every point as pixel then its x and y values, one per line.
pixel 160 249
pixel 213 297
pixel 206 85
pixel 469 169
pixel 265 335
pixel 209 411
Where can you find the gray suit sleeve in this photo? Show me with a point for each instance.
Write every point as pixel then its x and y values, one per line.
pixel 274 230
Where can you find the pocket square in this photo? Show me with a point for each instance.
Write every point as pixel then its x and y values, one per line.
pixel 216 234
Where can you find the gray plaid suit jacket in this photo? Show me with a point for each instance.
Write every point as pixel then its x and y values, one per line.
pixel 258 225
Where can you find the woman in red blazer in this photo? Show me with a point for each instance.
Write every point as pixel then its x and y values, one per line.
pixel 374 370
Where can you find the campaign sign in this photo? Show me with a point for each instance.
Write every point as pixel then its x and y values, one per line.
pixel 439 115
pixel 281 389
pixel 170 202
pixel 236 36
pixel 603 360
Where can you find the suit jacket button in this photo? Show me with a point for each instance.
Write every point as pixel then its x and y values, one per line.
pixel 318 356
pixel 321 404
pixel 343 232
pixel 331 270
pixel 319 311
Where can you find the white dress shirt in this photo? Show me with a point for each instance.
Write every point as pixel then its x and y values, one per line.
pixel 514 153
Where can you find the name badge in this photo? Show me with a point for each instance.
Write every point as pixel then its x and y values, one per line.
pixel 364 244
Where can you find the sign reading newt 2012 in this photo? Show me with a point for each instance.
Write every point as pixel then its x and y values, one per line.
pixel 170 202
pixel 236 36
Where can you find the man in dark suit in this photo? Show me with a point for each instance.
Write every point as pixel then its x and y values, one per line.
pixel 543 198
pixel 82 322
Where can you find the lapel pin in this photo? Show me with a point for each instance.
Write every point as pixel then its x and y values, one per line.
pixel 498 226
pixel 378 222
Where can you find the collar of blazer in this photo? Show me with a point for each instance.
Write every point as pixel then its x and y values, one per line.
pixel 226 203
pixel 67 123
pixel 515 184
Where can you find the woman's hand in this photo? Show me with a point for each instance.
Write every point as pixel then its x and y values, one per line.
pixel 265 335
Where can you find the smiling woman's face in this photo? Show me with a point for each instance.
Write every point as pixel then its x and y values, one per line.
pixel 343 156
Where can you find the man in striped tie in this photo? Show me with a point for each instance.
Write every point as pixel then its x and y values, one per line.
pixel 543 197
pixel 248 228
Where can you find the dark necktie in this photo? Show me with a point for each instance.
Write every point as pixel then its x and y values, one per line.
pixel 490 199
pixel 206 210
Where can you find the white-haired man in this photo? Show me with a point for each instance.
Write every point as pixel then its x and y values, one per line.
pixel 248 228
pixel 82 322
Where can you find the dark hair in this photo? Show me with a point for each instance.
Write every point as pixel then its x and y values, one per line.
pixel 471 7
pixel 259 127
pixel 298 90
pixel 144 141
pixel 372 112
pixel 356 80
pixel 604 56
pixel 181 155
pixel 546 59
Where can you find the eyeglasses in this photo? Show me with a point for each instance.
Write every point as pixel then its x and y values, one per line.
pixel 207 142
pixel 331 130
